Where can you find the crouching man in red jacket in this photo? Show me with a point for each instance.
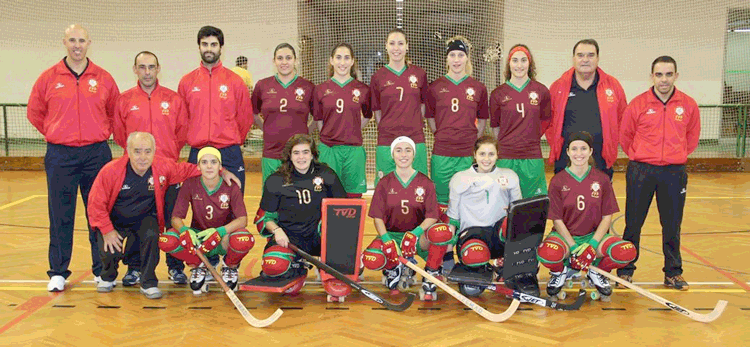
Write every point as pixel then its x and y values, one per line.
pixel 127 198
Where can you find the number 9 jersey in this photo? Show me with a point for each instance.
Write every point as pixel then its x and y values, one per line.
pixel 581 202
pixel 298 203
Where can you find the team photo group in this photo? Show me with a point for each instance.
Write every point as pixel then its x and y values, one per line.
pixel 454 210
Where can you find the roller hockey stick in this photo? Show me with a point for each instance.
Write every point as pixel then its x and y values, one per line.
pixel 258 323
pixel 539 301
pixel 705 318
pixel 323 266
pixel 493 317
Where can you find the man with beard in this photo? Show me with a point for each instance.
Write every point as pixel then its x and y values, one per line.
pixel 219 110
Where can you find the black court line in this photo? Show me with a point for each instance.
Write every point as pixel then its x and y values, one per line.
pixel 11 305
pixel 64 306
pixel 613 309
pixel 291 308
pixel 154 307
pixel 745 308
pixel 659 309
pixel 379 308
pixel 525 309
pixel 249 308
pixel 337 308
pixel 704 309
pixel 106 306
pixel 429 309
pixel 199 308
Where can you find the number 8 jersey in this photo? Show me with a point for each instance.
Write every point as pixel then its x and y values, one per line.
pixel 298 203
pixel 581 202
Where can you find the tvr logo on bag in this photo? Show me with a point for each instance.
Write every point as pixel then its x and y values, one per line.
pixel 348 213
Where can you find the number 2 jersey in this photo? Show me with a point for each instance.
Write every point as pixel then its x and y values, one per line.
pixel 210 209
pixel 581 202
pixel 403 206
pixel 298 204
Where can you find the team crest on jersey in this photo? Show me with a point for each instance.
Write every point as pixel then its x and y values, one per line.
pixel 565 188
pixel 470 94
pixel 534 98
pixel 92 85
pixel 679 110
pixel 595 187
pixel 224 198
pixel 610 95
pixel 223 91
pixel 503 181
pixel 420 194
pixel 300 94
pixel 318 182
pixel 165 108
pixel 413 81
pixel 355 94
pixel 151 183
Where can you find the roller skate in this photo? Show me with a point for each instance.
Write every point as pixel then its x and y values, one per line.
pixel 556 283
pixel 198 280
pixel 407 277
pixel 392 278
pixel 603 289
pixel 428 291
pixel 230 276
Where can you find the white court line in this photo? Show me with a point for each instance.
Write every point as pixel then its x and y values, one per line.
pixel 19 201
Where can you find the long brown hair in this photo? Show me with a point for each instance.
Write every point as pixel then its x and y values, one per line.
pixel 407 59
pixel 532 65
pixel 287 166
pixel 354 70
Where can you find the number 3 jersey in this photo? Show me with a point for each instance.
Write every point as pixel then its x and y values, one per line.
pixel 580 202
pixel 404 205
pixel 298 203
pixel 210 209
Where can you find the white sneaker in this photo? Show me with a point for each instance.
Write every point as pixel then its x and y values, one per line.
pixel 97 279
pixel 105 286
pixel 152 293
pixel 56 284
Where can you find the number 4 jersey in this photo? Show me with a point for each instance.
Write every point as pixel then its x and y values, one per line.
pixel 210 209
pixel 580 202
pixel 298 203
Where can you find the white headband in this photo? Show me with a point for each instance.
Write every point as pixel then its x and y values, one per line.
pixel 403 139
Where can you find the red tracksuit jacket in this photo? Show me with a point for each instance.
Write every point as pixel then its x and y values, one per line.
pixel 108 184
pixel 219 110
pixel 73 112
pixel 660 134
pixel 163 114
pixel 612 103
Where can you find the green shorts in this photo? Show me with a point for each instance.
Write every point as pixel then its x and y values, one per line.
pixel 349 164
pixel 384 161
pixel 269 166
pixel 398 237
pixel 443 169
pixel 530 175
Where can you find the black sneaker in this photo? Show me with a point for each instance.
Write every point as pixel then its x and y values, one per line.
pixel 177 276
pixel 131 278
pixel 676 282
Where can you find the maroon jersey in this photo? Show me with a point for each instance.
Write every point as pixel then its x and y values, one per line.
pixel 581 202
pixel 456 106
pixel 404 206
pixel 340 107
pixel 399 96
pixel 285 109
pixel 519 113
pixel 209 211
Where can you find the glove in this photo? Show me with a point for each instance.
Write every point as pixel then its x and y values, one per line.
pixel 186 231
pixel 390 250
pixel 205 234
pixel 582 256
pixel 409 245
pixel 212 240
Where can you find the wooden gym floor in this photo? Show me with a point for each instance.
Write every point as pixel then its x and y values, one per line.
pixel 715 238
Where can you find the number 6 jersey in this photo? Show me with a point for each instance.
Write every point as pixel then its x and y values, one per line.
pixel 210 209
pixel 581 202
pixel 298 204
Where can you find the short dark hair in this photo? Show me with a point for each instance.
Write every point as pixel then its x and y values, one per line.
pixel 587 42
pixel 135 60
pixel 664 59
pixel 208 30
pixel 241 60
pixel 284 45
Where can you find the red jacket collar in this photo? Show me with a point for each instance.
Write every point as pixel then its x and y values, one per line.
pixel 156 88
pixel 567 76
pixel 218 65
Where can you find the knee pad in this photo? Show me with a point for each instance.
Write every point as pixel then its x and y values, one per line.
pixel 502 229
pixel 277 260
pixel 619 250
pixel 439 234
pixel 475 253
pixel 241 241
pixel 551 253
pixel 444 213
pixel 373 257
pixel 169 241
pixel 260 220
